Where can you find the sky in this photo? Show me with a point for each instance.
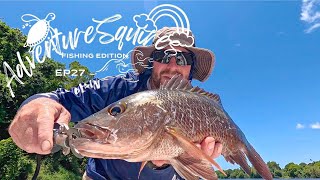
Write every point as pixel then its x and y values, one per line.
pixel 267 70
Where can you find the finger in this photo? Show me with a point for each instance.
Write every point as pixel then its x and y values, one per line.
pixel 21 122
pixel 159 163
pixel 31 140
pixel 14 136
pixel 45 123
pixel 217 150
pixel 17 131
pixel 64 116
pixel 207 145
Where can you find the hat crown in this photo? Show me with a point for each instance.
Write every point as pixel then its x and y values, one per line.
pixel 175 36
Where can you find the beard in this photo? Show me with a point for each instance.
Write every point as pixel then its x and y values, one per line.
pixel 158 79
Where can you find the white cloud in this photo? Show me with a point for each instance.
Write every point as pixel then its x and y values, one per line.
pixel 315 125
pixel 310 13
pixel 309 30
pixel 299 126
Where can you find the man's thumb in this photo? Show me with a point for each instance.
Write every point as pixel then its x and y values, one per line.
pixel 45 133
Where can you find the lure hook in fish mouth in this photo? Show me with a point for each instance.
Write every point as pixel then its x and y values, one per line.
pixel 93 132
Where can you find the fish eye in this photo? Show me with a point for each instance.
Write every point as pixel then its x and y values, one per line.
pixel 117 109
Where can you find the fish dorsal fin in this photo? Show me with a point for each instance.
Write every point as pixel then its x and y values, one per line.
pixel 178 83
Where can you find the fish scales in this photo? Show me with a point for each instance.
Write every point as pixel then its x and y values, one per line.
pixel 164 124
pixel 207 120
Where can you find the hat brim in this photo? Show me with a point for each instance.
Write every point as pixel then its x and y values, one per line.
pixel 203 65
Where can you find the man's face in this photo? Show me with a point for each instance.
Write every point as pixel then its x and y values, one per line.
pixel 163 72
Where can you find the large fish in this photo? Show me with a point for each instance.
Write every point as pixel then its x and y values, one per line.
pixel 164 124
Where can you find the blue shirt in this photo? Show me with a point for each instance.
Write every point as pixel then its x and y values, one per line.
pixel 86 99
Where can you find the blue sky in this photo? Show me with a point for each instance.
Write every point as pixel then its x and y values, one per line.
pixel 267 61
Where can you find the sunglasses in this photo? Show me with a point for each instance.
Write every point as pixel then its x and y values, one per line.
pixel 182 58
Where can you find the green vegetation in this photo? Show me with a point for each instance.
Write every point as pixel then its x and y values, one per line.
pixel 15 163
pixel 291 170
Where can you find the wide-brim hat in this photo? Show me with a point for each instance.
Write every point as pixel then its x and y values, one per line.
pixel 204 58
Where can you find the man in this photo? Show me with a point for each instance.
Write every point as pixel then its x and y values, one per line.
pixel 172 52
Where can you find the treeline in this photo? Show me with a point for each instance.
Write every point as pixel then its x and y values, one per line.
pixel 291 170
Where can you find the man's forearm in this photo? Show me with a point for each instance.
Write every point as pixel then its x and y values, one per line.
pixel 50 95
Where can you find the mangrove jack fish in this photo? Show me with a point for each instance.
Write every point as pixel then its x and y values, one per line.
pixel 164 124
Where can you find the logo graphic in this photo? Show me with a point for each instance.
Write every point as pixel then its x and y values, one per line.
pixel 43 40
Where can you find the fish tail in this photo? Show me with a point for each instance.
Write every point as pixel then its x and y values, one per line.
pixel 258 163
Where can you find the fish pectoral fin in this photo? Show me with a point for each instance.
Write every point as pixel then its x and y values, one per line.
pixel 196 167
pixel 143 164
pixel 182 170
pixel 191 148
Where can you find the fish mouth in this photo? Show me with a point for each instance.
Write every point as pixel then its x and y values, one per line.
pixel 100 142
pixel 93 132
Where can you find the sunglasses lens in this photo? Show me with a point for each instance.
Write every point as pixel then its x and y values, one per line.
pixel 188 57
pixel 182 58
pixel 158 56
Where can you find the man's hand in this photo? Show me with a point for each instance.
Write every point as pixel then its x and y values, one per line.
pixel 208 145
pixel 31 128
pixel 211 148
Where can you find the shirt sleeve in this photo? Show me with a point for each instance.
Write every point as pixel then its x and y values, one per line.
pixel 87 98
pixel 90 97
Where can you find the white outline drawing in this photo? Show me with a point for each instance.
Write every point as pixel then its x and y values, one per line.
pixel 156 13
pixel 123 67
pixel 147 22
pixel 180 19
pixel 166 10
pixel 120 64
pixel 39 31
